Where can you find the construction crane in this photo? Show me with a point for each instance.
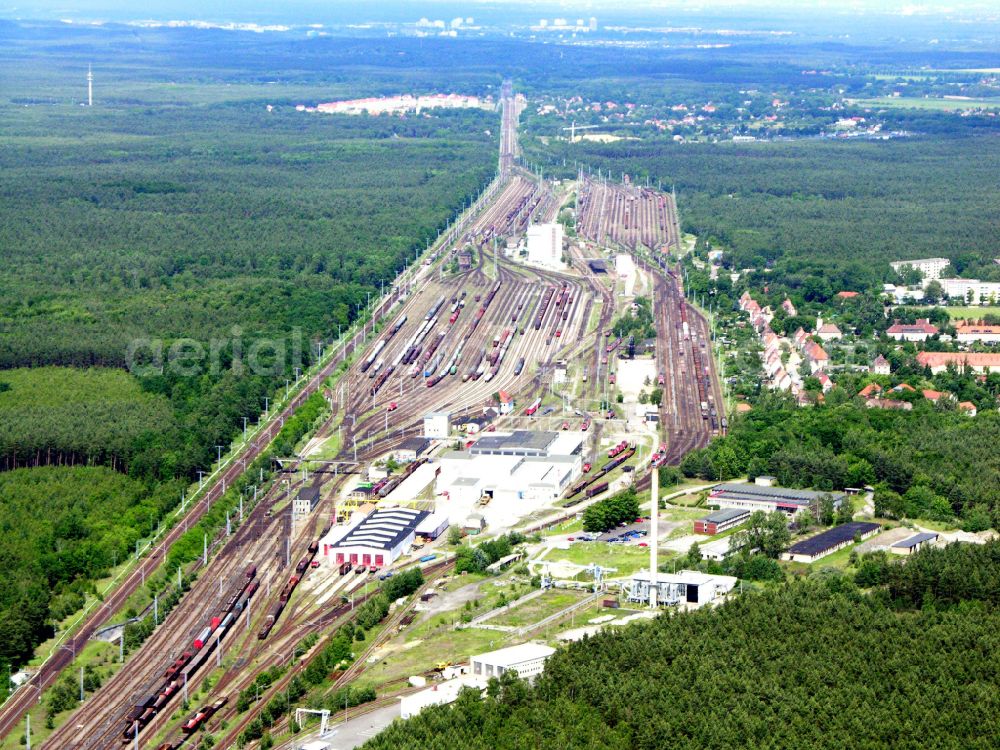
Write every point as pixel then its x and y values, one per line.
pixel 574 127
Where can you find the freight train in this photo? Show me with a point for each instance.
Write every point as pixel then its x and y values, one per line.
pixel 182 670
pixel 622 453
pixel 286 592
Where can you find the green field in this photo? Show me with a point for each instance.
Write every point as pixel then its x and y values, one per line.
pixel 537 609
pixel 973 312
pixel 938 105
pixel 626 558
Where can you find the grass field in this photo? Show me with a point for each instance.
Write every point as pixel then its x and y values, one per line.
pixel 626 558
pixel 973 311
pixel 539 608
pixel 938 105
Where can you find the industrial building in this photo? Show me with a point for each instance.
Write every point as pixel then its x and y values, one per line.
pixel 305 501
pixel 411 449
pixel 684 587
pixel 377 538
pixel 767 498
pixel 720 520
pixel 438 695
pixel 437 425
pixel 527 660
pixel 508 474
pixel 914 543
pixel 433 525
pixel 717 550
pixel 545 245
pixel 828 542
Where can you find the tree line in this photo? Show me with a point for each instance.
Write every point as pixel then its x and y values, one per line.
pixel 815 663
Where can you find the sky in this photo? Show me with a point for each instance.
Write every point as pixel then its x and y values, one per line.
pixel 294 10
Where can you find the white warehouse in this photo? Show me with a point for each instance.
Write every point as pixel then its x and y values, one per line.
pixel 528 660
pixel 516 472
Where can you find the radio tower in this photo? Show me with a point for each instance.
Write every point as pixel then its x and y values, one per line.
pixel 90 87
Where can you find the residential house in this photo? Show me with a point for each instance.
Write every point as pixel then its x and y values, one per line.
pixel 881 366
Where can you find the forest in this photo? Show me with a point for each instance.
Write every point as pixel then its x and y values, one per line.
pixel 813 664
pixel 178 215
pixel 822 216
pixel 92 520
pixel 925 463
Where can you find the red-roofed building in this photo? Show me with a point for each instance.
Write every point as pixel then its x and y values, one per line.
pixel 846 295
pixel 918 331
pixel 828 332
pixel 968 407
pixel 789 308
pixel 973 361
pixel 871 390
pixel 934 396
pixel 506 402
pixel 816 356
pixel 967 334
pixel 824 381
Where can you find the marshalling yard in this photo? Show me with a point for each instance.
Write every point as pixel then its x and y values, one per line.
pixel 477 318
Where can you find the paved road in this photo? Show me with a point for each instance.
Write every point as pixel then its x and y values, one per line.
pixel 354 733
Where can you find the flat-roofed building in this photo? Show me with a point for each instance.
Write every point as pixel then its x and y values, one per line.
pixel 930 268
pixel 911 544
pixel 527 660
pixel 545 244
pixel 827 542
pixel 437 425
pixel 439 694
pixel 721 520
pixel 683 587
pixel 767 498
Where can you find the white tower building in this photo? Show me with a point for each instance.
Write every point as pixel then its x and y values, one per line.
pixel 90 87
pixel 545 244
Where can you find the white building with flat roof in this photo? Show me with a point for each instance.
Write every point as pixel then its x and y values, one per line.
pixel 684 587
pixel 527 660
pixel 437 425
pixel 930 268
pixel 545 244
pixel 973 291
pixel 439 694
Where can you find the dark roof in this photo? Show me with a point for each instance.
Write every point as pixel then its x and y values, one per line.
pixel 770 494
pixel 835 536
pixel 384 528
pixel 518 443
pixel 598 266
pixel 916 539
pixel 416 444
pixel 726 514
pixel 309 493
